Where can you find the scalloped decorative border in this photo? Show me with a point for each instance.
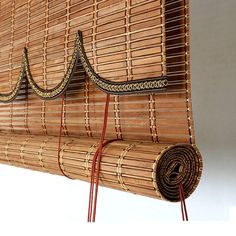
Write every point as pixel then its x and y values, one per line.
pixel 118 88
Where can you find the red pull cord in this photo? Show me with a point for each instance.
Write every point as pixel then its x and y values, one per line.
pixel 59 141
pixel 182 202
pixel 96 162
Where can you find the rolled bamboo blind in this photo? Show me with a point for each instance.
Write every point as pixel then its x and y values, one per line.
pixel 144 168
pixel 124 47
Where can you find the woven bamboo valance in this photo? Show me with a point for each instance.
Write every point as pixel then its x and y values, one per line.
pixel 80 51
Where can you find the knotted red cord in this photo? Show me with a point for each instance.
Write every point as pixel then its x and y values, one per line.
pixel 97 160
pixel 182 202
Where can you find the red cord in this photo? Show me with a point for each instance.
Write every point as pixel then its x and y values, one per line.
pixel 96 162
pixel 59 141
pixel 182 202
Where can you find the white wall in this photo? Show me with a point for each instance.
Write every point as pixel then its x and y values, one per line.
pixel 42 200
pixel 213 55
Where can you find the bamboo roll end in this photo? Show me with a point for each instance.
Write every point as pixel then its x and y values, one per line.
pixel 178 164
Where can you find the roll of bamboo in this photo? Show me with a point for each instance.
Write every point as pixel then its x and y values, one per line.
pixel 153 170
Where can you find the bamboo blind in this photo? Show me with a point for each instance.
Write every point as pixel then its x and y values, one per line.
pixel 124 40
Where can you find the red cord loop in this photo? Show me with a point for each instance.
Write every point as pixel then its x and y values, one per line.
pixel 59 141
pixel 182 202
pixel 96 165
